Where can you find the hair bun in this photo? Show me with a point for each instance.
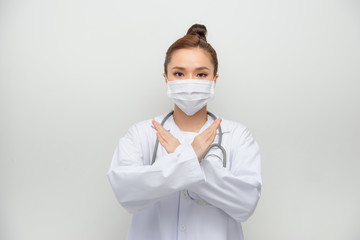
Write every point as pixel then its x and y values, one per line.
pixel 198 30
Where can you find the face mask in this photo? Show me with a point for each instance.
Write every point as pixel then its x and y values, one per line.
pixel 190 95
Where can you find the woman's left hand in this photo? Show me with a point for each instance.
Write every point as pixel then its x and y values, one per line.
pixel 166 139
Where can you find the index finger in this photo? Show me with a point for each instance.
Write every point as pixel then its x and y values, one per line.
pixel 216 123
pixel 213 126
pixel 159 127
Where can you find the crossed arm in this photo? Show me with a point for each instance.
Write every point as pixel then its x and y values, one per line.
pixel 235 191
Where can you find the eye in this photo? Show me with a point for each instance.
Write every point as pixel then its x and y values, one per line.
pixel 202 75
pixel 178 74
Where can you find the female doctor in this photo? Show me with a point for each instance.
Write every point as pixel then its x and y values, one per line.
pixel 203 179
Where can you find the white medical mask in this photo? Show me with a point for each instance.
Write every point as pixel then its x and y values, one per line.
pixel 190 95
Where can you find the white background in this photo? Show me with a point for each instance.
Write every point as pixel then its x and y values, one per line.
pixel 76 74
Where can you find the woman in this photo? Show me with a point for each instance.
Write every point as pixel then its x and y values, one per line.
pixel 179 189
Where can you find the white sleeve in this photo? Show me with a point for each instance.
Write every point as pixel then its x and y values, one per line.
pixel 235 191
pixel 138 186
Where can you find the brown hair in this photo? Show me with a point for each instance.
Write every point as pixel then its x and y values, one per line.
pixel 195 37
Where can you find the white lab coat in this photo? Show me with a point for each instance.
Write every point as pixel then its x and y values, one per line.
pixel 157 195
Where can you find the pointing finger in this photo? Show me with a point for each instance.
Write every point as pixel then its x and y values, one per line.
pixel 165 134
pixel 158 126
pixel 216 123
pixel 154 124
pixel 213 129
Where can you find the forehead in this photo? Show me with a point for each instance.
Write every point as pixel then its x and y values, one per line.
pixel 190 58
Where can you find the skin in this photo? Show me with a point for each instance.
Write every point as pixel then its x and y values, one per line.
pixel 194 63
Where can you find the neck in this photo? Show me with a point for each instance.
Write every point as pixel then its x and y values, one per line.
pixel 190 123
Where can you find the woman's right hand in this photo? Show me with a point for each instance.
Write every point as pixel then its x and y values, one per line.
pixel 203 141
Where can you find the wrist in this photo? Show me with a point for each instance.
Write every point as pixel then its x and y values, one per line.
pixel 196 150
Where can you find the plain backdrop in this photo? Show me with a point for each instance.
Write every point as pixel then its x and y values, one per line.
pixel 76 74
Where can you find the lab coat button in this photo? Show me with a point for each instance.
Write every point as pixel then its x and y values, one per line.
pixel 182 228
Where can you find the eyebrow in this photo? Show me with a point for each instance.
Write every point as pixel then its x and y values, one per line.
pixel 199 68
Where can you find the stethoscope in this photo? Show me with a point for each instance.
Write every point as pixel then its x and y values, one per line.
pixel 214 145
